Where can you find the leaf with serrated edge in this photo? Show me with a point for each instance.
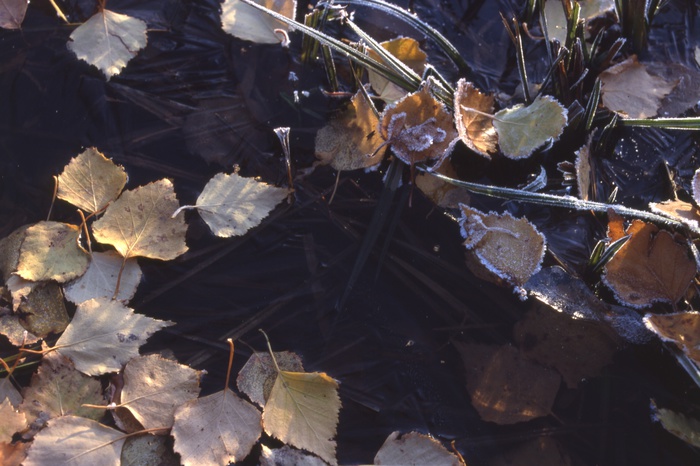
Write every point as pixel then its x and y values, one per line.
pixel 523 129
pixel 100 279
pixel 248 23
pixel 680 328
pixel 217 429
pixel 414 448
pixel 104 335
pixel 140 223
pixel 475 128
pixel 154 387
pixel 302 411
pixel 12 421
pixel 77 441
pixel 257 377
pixel 108 40
pixel 91 181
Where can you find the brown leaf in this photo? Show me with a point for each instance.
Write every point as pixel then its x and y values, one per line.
pixel 11 327
pixel 13 454
pixel 148 450
pixel 9 251
pixel 13 421
pixel 408 51
pixel 43 311
pixel 442 193
pixel 680 328
pixel 475 129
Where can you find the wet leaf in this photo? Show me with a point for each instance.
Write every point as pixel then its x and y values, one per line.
pixel 231 204
pixel 419 128
pixel 50 251
pixel 139 223
pixel 91 181
pixel 248 23
pixel 302 411
pixel 505 387
pixel 653 266
pixel 77 441
pixel 523 129
pixel 9 392
pixel 351 141
pixel 108 40
pixel 288 456
pixel 12 421
pixel 216 429
pixel 148 450
pixel 257 377
pixel 155 387
pixel 509 248
pixel 684 427
pixel 475 129
pixel 630 90
pixel 414 449
pixel 43 311
pixel 12 13
pixel 405 49
pixel 58 389
pixel 443 194
pixel 680 328
pixel 100 279
pixel 104 335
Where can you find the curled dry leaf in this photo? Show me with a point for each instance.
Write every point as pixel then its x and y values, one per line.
pixel 475 129
pixel 220 428
pixel 414 449
pixel 523 129
pixel 12 13
pixel 13 421
pixel 680 425
pixel 653 266
pixel 584 170
pixel 155 387
pixel 249 23
pixel 351 141
pixel 405 49
pixel 419 128
pixel 257 377
pixel 91 181
pixel 139 223
pixel 104 335
pixel 108 40
pixel 680 328
pixel 77 441
pixel 100 279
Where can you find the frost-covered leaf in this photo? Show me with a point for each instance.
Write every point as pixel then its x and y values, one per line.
pixel 248 23
pixel 100 279
pixel 419 128
pixel 351 141
pixel 12 421
pixel 509 248
pixel 680 328
pixel 231 204
pixel 154 387
pixel 288 456
pixel 302 411
pixel 684 212
pixel 414 449
pixel 91 181
pixel 630 90
pixel 139 223
pixel 216 429
pixel 584 171
pixel 257 377
pixel 149 450
pixel 475 129
pixel 405 49
pixel 43 311
pixel 50 251
pixel 104 335
pixel 523 129
pixel 12 13
pixel 684 427
pixel 77 441
pixel 58 389
pixel 108 40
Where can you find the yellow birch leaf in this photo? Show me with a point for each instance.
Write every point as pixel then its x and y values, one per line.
pixel 302 411
pixel 248 23
pixel 12 13
pixel 100 279
pixel 139 223
pixel 91 181
pixel 416 449
pixel 257 377
pixel 108 40
pixel 51 251
pixel 475 129
pixel 220 428
pixel 405 49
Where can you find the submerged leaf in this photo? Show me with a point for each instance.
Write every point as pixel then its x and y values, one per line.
pixel 406 50
pixel 414 449
pixel 108 40
pixel 475 129
pixel 680 425
pixel 249 23
pixel 442 193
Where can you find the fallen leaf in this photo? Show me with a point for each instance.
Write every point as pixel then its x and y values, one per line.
pixel 11 327
pixel 523 129
pixel 257 377
pixel 13 454
pixel 414 449
pixel 100 279
pixel 155 387
pixel 12 13
pixel 442 193
pixel 9 392
pixel 584 171
pixel 231 204
pixel 684 427
pixel 680 328
pixel 288 456
pixel 9 251
pixel 147 450
pixel 302 411
pixel 351 141
pixel 653 266
pixel 419 128
pixel 91 181
pixel 628 88
pixel 509 248
pixel 248 23
pixel 405 49
pixel 108 40
pixel 43 312
pixel 684 212
pixel 78 441
pixel 505 387
pixel 50 251
pixel 19 289
pixel 139 223
pixel 220 428
pixel 12 421
pixel 104 335
pixel 475 128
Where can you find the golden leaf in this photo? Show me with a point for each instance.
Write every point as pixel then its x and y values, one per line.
pixel 405 49
pixel 475 129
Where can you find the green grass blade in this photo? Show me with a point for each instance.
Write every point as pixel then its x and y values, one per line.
pixel 689 124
